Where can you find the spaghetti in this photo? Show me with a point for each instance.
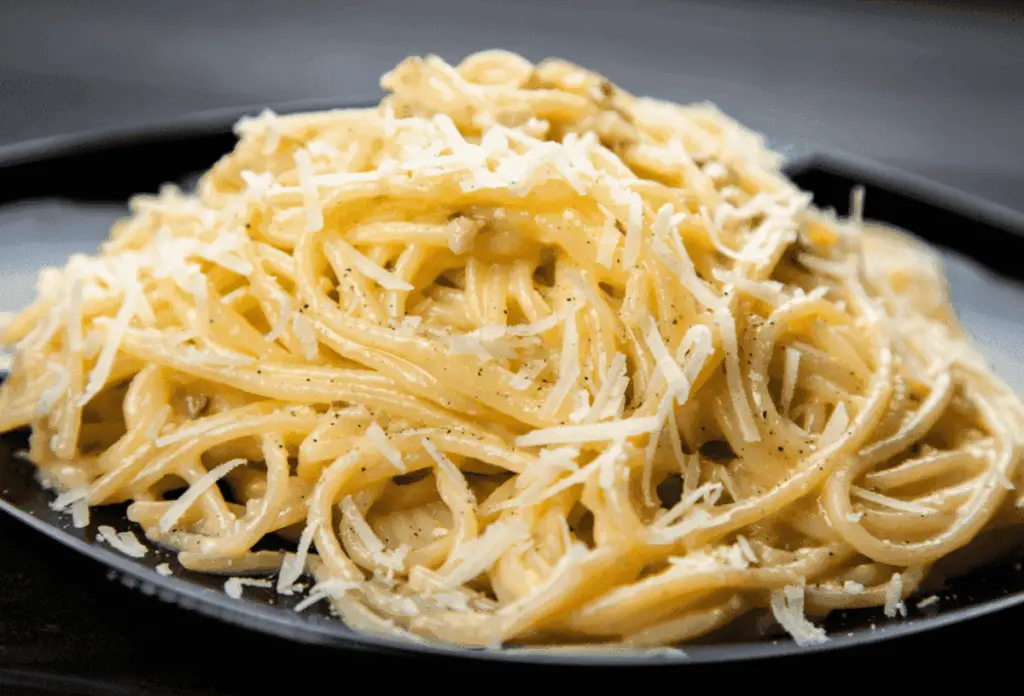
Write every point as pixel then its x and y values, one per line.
pixel 518 357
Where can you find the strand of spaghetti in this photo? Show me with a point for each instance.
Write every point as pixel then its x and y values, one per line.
pixel 403 373
pixel 308 384
pixel 692 624
pixel 831 597
pixel 632 607
pixel 262 418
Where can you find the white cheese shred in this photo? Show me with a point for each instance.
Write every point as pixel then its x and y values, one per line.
pixel 379 439
pixel 667 365
pixel 836 426
pixel 328 589
pixel 588 432
pixel 568 369
pixel 294 564
pixel 894 605
pixel 854 588
pixel 303 329
pixel 733 376
pixel 612 389
pixel 180 506
pixel 608 243
pixel 354 518
pixel 634 231
pixel 383 278
pixel 310 194
pixel 79 514
pixel 477 556
pixel 891 503
pixel 788 609
pixel 125 542
pixel 790 371
pixel 526 374
pixel 111 343
pixel 409 325
pixel 233 586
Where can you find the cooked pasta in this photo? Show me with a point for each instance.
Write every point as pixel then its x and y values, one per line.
pixel 517 357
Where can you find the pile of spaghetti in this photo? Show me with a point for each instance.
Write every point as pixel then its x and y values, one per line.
pixel 517 357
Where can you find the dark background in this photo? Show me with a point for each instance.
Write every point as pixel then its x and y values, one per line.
pixel 934 88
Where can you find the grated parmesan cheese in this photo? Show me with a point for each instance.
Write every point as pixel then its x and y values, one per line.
pixel 634 230
pixel 164 569
pixel 668 367
pixel 857 205
pixel 790 371
pixel 894 597
pixel 477 556
pixel 746 548
pixel 294 564
pixel 588 432
pixel 303 329
pixel 74 315
pixel 125 542
pixel 180 506
pixel 526 374
pixel 393 560
pixel 368 268
pixel 536 328
pixel 79 514
pixel 853 588
pixel 568 369
pixel 283 313
pixel 257 185
pixel 461 233
pixel 379 439
pixel 708 492
pixel 233 586
pixel 581 406
pixel 112 341
pixel 613 388
pixel 327 589
pixel 607 244
pixel 892 503
pixel 677 260
pixel 836 426
pixel 409 325
pixel 468 344
pixel 788 609
pixel 310 194
pixel 64 500
pixel 733 376
pixel 928 601
pixel 450 470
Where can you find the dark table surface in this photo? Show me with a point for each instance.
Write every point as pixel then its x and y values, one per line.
pixel 936 88
pixel 929 87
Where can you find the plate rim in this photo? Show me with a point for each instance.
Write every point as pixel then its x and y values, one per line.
pixel 194 124
pixel 332 633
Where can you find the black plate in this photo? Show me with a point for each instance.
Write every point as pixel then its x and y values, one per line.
pixel 142 159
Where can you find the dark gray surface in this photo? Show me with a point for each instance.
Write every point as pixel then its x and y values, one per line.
pixel 930 87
